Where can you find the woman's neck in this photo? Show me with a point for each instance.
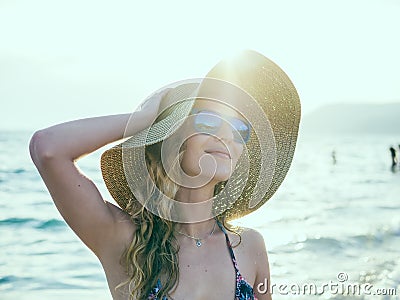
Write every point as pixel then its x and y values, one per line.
pixel 200 230
pixel 196 211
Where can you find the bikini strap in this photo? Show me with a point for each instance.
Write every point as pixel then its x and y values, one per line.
pixel 228 243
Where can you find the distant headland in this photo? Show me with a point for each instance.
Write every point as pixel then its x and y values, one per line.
pixel 355 118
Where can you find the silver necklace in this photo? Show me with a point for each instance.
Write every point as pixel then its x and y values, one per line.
pixel 198 240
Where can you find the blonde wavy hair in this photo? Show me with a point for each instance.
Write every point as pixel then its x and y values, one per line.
pixel 153 252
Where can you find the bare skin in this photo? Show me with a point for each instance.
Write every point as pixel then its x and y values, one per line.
pixel 107 230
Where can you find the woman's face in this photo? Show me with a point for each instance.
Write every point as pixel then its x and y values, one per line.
pixel 212 154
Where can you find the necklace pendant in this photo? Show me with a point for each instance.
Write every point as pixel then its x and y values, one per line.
pixel 198 243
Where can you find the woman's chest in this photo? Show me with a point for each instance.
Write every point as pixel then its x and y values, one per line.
pixel 211 275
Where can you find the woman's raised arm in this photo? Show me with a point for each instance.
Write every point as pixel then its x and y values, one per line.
pixel 54 150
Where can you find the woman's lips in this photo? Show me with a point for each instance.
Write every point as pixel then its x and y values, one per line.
pixel 219 153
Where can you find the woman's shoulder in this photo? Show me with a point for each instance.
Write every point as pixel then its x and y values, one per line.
pixel 253 237
pixel 251 253
pixel 248 238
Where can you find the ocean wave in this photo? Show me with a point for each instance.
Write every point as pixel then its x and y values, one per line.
pixel 50 224
pixel 11 278
pixel 10 282
pixel 16 221
pixel 13 171
pixel 33 223
pixel 327 244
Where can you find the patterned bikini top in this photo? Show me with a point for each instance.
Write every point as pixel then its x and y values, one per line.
pixel 243 291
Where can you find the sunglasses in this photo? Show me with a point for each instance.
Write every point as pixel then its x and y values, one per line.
pixel 209 122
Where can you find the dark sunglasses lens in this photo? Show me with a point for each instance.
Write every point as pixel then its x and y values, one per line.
pixel 207 122
pixel 242 130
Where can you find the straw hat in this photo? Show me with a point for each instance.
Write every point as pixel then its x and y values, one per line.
pixel 256 87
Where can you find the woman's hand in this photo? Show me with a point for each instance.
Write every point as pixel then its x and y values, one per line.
pixel 146 114
pixel 150 107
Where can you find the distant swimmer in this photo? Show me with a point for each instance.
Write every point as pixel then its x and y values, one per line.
pixel 394 156
pixel 334 157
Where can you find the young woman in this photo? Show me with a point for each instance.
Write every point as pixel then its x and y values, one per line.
pixel 198 156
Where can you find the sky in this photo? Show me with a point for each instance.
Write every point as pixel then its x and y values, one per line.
pixel 65 60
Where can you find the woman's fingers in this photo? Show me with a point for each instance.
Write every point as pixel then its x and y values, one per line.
pixel 151 106
pixel 154 100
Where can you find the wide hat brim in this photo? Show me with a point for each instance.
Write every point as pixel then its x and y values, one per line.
pixel 272 106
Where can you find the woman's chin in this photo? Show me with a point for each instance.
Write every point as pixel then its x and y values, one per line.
pixel 222 176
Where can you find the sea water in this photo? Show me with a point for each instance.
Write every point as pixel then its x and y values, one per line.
pixel 328 223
